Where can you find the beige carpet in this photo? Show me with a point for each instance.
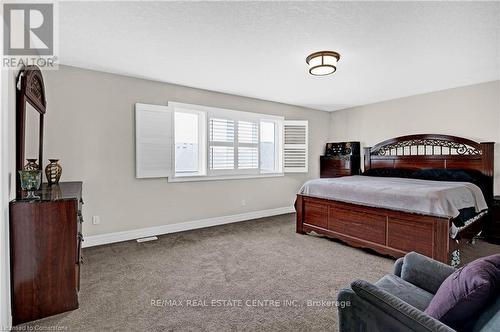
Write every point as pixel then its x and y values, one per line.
pixel 242 266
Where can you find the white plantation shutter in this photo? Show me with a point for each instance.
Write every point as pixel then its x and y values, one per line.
pixel 153 139
pixel 221 133
pixel 248 158
pixel 248 132
pixel 233 145
pixel 221 130
pixel 295 152
pixel 221 157
pixel 248 145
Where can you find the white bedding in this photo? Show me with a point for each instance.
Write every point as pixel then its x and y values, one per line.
pixel 435 198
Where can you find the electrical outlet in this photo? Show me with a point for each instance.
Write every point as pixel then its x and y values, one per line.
pixel 243 202
pixel 96 220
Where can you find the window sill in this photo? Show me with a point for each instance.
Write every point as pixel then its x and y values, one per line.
pixel 222 177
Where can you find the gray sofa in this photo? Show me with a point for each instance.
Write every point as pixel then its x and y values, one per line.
pixel 395 303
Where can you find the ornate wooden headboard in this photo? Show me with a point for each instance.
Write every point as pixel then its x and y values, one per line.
pixel 432 151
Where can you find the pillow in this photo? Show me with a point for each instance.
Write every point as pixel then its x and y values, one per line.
pixel 456 175
pixel 439 174
pixel 390 172
pixel 463 295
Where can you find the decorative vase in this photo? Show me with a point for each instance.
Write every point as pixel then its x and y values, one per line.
pixel 31 165
pixel 53 171
pixel 30 181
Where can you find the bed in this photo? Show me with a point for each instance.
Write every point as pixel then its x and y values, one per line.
pixel 394 215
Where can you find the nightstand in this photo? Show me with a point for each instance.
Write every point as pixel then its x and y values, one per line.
pixel 340 159
pixel 492 228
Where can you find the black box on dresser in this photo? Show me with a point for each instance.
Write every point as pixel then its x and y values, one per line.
pixel 45 248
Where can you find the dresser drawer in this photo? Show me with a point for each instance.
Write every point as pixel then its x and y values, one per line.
pixel 336 163
pixel 331 167
pixel 335 173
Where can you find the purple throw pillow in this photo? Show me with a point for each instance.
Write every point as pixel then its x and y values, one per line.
pixel 466 291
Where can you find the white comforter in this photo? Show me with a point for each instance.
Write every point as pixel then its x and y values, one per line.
pixel 435 198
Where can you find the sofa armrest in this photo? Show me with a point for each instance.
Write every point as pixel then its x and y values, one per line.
pixel 424 272
pixel 398 266
pixel 406 314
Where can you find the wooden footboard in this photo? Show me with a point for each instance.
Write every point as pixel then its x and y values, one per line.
pixel 388 232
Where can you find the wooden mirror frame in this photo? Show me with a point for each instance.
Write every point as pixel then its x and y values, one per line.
pixel 29 88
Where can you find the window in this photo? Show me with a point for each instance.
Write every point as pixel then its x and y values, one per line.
pixel 221 144
pixel 248 145
pixel 189 143
pixel 214 143
pixel 234 146
pixel 268 155
pixel 185 142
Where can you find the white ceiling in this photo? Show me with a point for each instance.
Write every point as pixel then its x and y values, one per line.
pixel 258 49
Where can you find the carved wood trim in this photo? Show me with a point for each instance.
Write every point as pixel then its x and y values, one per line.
pixel 427 144
pixel 33 86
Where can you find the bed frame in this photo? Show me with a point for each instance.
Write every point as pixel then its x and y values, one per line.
pixel 396 233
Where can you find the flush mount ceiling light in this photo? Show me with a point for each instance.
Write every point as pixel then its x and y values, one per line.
pixel 322 63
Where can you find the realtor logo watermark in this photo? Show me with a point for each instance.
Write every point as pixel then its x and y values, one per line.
pixel 29 35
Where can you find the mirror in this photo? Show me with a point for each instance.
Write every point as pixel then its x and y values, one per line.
pixel 30 110
pixel 31 133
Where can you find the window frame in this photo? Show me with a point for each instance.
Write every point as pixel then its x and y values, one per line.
pixel 236 116
pixel 279 140
pixel 202 144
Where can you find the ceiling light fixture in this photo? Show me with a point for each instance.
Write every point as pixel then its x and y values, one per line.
pixel 322 63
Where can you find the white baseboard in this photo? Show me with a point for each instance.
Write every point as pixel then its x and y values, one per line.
pixel 96 240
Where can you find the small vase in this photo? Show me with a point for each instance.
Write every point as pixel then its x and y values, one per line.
pixel 31 165
pixel 30 181
pixel 53 171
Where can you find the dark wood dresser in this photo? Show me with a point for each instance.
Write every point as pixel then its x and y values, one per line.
pixel 340 159
pixel 45 245
pixel 492 228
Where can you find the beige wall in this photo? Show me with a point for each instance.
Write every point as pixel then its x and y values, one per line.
pixel 472 112
pixel 90 127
